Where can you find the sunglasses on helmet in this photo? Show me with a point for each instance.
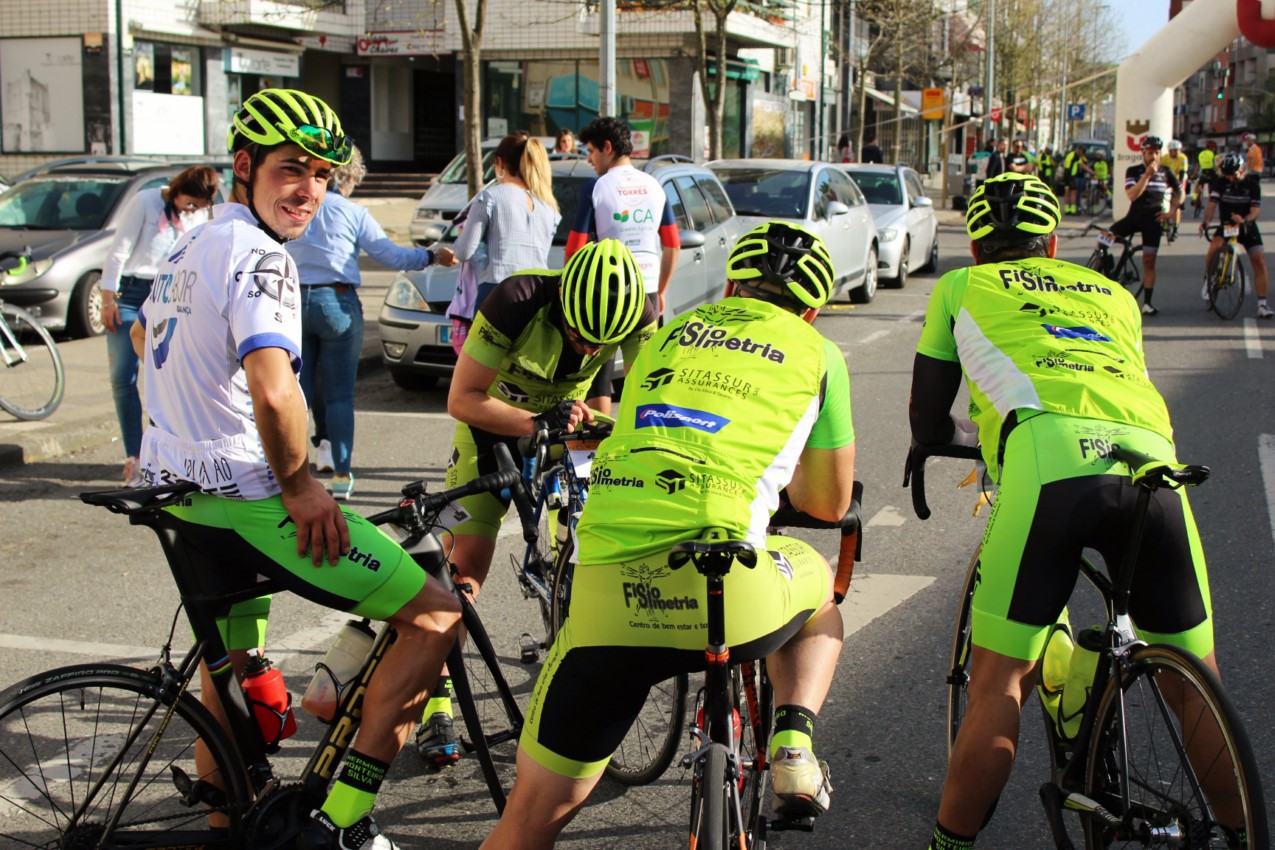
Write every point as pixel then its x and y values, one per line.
pixel 321 142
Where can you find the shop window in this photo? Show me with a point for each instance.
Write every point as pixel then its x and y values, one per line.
pixel 166 69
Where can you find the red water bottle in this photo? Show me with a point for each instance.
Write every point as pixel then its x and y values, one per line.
pixel 269 699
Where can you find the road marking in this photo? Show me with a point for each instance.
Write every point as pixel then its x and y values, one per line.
pixel 873 337
pixel 1266 458
pixel 1252 341
pixel 76 647
pixel 403 414
pixel 888 516
pixel 915 316
pixel 873 596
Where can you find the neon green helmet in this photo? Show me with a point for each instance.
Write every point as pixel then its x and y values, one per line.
pixel 275 116
pixel 603 294
pixel 1012 207
pixel 788 256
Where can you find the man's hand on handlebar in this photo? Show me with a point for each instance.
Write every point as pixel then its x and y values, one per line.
pixel 565 416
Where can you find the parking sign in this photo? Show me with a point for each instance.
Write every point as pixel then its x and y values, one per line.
pixel 1075 112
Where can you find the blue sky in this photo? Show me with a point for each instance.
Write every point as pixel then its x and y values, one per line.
pixel 1139 20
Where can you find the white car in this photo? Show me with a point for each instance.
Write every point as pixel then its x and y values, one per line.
pixel 905 220
pixel 817 195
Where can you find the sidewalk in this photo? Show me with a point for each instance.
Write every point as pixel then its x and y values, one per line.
pixel 86 417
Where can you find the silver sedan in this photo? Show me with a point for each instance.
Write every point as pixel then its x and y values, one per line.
pixel 905 218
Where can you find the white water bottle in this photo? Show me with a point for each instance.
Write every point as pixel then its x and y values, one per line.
pixel 338 667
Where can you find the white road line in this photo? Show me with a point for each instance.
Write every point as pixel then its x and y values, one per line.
pixel 873 596
pixel 1252 341
pixel 915 316
pixel 888 516
pixel 76 647
pixel 1266 458
pixel 873 337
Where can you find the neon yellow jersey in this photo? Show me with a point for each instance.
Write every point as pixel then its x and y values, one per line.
pixel 1207 159
pixel 1101 171
pixel 1176 164
pixel 1046 335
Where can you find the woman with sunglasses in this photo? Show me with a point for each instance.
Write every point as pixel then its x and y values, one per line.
pixel 152 223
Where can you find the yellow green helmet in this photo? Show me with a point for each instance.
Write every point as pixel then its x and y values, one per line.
pixel 603 293
pixel 1012 207
pixel 787 256
pixel 275 116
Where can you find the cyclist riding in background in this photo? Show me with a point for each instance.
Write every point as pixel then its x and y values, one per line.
pixel 1206 163
pixel 1075 167
pixel 1179 163
pixel 1101 172
pixel 221 339
pixel 729 403
pixel 1238 200
pixel 1252 156
pixel 541 349
pixel 1048 393
pixel 626 204
pixel 1147 185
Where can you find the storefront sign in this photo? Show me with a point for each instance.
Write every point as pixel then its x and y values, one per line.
pixel 804 88
pixel 932 104
pixel 240 60
pixel 415 43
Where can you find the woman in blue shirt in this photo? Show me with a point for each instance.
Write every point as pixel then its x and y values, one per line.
pixel 327 258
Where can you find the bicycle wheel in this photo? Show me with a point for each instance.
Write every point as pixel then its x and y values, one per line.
pixel 31 378
pixel 1226 283
pixel 648 749
pixel 1168 730
pixel 1129 272
pixel 754 700
pixel 710 802
pixel 98 748
pixel 560 590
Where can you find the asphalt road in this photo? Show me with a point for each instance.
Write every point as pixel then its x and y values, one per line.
pixel 79 584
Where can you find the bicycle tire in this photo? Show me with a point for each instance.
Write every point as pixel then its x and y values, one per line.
pixel 1141 705
pixel 32 380
pixel 710 796
pixel 1226 283
pixel 754 744
pixel 72 741
pixel 488 705
pixel 652 741
pixel 1129 271
pixel 560 590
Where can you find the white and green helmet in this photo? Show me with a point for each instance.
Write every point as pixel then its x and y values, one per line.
pixel 787 256
pixel 275 116
pixel 603 293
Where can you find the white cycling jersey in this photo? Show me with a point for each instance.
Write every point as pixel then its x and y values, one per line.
pixel 628 205
pixel 226 290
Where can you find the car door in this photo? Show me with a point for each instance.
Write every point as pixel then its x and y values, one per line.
pixel 920 221
pixel 690 281
pixel 859 217
pixel 720 239
pixel 835 229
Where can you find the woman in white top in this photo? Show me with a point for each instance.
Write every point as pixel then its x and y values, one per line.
pixel 152 223
pixel 516 218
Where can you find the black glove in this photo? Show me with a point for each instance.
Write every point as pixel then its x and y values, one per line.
pixel 558 417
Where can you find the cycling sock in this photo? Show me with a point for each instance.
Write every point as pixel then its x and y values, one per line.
pixel 794 727
pixel 1146 295
pixel 440 701
pixel 354 792
pixel 944 840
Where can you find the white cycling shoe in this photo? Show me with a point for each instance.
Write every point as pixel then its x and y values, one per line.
pixel 800 783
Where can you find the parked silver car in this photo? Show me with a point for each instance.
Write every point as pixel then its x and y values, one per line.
pixel 816 195
pixel 904 215
pixel 415 329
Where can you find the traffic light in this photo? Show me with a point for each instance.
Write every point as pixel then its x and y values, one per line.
pixel 1221 92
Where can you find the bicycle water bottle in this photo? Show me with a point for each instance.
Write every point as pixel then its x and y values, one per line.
pixel 341 664
pixel 1054 663
pixel 268 696
pixel 1080 675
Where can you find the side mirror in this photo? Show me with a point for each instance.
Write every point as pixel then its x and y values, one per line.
pixel 837 208
pixel 691 238
pixel 923 201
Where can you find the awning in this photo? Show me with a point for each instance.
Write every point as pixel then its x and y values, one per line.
pixel 888 100
pixel 744 69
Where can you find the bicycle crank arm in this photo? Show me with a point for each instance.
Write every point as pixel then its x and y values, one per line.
pixel 796 824
pixel 1077 802
pixel 1052 799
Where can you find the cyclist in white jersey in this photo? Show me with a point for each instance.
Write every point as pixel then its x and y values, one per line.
pixel 626 204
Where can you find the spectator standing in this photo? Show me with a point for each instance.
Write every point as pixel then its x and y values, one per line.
pixel 843 148
pixel 872 151
pixel 996 160
pixel 514 220
pixel 626 204
pixel 1045 166
pixel 1018 161
pixel 1252 156
pixel 327 258
pixel 566 142
pixel 150 226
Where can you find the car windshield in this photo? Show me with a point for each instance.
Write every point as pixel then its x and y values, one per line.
pixel 879 187
pixel 67 202
pixel 767 191
pixel 567 192
pixel 457 171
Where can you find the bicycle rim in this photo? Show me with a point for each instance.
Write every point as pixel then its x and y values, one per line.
pixel 1226 284
pixel 754 700
pixel 74 741
pixel 560 591
pixel 31 376
pixel 958 677
pixel 1170 706
pixel 710 799
pixel 648 748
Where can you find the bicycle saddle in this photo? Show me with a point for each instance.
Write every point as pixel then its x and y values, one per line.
pixel 130 500
pixel 1152 473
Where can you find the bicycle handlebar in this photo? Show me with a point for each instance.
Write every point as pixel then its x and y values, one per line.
pixel 851 549
pixel 914 469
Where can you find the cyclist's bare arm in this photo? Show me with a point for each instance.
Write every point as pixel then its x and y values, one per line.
pixel 823 482
pixel 935 384
pixel 280 415
pixel 468 402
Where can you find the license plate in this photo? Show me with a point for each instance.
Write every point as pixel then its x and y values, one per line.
pixel 1230 231
pixel 1106 240
pixel 444 334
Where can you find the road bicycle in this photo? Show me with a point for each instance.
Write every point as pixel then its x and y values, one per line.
pixel 104 755
pixel 1158 756
pixel 1125 270
pixel 735 708
pixel 1226 279
pixel 1095 198
pixel 556 469
pixel 32 380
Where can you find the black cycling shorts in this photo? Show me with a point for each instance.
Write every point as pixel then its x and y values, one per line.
pixel 1140 222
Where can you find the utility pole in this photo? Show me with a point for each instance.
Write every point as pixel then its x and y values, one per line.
pixel 991 75
pixel 606 58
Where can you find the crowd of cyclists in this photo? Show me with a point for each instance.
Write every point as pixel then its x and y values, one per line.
pixel 221 345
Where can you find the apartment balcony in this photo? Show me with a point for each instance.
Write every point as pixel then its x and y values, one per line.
pixel 771 26
pixel 284 17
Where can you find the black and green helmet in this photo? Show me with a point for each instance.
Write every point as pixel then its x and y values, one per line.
pixel 787 256
pixel 603 293
pixel 1012 207
pixel 275 116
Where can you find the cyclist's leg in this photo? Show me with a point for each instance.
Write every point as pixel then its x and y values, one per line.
pixel 1251 239
pixel 474 522
pixel 1151 232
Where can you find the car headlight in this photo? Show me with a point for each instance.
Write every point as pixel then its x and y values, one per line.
pixel 404 295
pixel 426 215
pixel 30 273
pixel 889 234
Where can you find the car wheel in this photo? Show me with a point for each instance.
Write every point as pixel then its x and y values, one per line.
pixel 901 279
pixel 866 291
pixel 932 264
pixel 84 313
pixel 413 380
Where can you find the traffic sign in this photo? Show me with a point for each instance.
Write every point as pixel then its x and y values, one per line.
pixel 1075 112
pixel 996 113
pixel 932 104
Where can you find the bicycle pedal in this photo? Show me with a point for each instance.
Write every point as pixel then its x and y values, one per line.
pixel 794 824
pixel 196 792
pixel 528 649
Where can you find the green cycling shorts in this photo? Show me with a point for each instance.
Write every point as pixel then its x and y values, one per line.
pixel 375 578
pixel 635 624
pixel 473 455
pixel 1061 493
